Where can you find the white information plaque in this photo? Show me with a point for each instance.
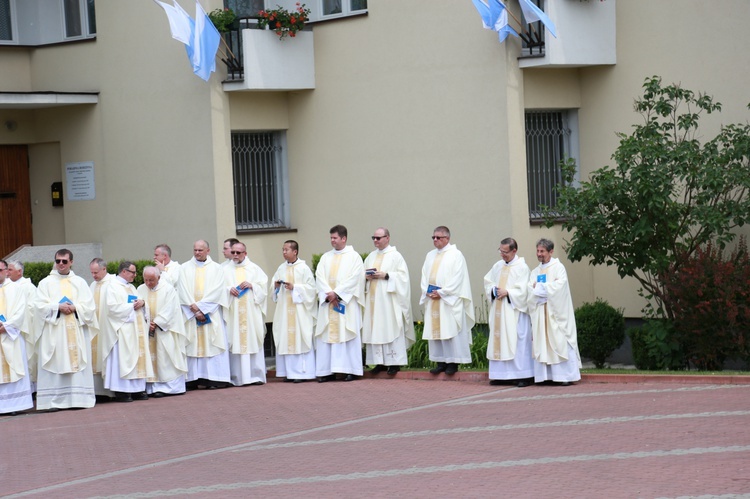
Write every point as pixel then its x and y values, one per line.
pixel 79 179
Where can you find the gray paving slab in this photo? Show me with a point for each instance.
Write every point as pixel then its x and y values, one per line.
pixel 391 438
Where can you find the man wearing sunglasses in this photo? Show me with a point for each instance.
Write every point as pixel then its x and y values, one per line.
pixel 64 310
pixel 246 318
pixel 388 327
pixel 448 308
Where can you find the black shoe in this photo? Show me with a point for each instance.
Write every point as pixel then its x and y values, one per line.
pixel 377 369
pixel 53 409
pixel 392 370
pixel 289 380
pixel 524 383
pixel 299 380
pixel 566 383
pixel 102 398
pixel 191 385
pixel 330 377
pixel 497 382
pixel 123 397
pixel 350 377
pixel 140 396
pixel 441 367
pixel 451 369
pixel 157 395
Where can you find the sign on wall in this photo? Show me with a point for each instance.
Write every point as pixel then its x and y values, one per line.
pixel 79 180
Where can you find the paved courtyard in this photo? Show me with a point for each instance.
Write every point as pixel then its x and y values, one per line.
pixel 391 438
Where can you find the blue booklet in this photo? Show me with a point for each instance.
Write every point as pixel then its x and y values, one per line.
pixel 341 308
pixel 242 291
pixel 370 271
pixel 203 323
pixel 132 298
pixel 2 318
pixel 541 278
pixel 431 288
pixel 65 299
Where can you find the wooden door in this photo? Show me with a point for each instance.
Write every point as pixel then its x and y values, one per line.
pixel 15 199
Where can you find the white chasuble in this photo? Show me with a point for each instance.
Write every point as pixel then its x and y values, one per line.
pixel 552 314
pixel 453 313
pixel 168 342
pixel 130 328
pixel 12 351
pixel 343 273
pixel 505 312
pixel 246 325
pixel 294 319
pixel 388 304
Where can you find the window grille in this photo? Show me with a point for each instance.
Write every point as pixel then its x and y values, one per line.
pixel 6 29
pixel 547 143
pixel 257 166
pixel 533 41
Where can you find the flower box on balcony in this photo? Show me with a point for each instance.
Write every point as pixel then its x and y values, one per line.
pixel 273 64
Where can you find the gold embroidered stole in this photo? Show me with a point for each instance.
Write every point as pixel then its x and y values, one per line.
pixel 334 333
pixel 152 304
pixel 4 365
pixel 200 283
pixel 546 313
pixel 71 328
pixel 501 284
pixel 95 339
pixel 140 328
pixel 291 315
pixel 239 276
pixel 373 286
pixel 435 304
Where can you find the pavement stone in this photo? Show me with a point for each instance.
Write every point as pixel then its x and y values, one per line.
pixel 411 435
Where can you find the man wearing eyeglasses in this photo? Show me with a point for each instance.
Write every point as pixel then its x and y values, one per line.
pixel 15 382
pixel 340 282
pixel 203 297
pixel 246 324
pixel 64 310
pixel 509 344
pixel 388 327
pixel 448 308
pixel 125 338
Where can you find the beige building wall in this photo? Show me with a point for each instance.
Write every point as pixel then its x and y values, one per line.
pixel 410 126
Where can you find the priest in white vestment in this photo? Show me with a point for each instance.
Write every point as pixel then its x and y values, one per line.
pixel 555 343
pixel 15 273
pixel 15 382
pixel 293 290
pixel 388 327
pixel 204 299
pixel 64 310
pixel 340 282
pixel 98 268
pixel 170 269
pixel 509 342
pixel 246 318
pixel 448 307
pixel 166 331
pixel 125 339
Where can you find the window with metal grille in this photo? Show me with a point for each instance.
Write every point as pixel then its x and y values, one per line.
pixel 6 29
pixel 551 136
pixel 259 171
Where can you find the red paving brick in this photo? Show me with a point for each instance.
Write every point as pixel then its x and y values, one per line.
pixel 403 437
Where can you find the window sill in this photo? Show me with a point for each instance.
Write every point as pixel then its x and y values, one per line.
pixel 265 230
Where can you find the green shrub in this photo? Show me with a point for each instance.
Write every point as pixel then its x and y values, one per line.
pixel 419 353
pixel 656 348
pixel 601 330
pixel 36 271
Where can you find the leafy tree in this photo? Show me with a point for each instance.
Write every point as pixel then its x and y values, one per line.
pixel 668 193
